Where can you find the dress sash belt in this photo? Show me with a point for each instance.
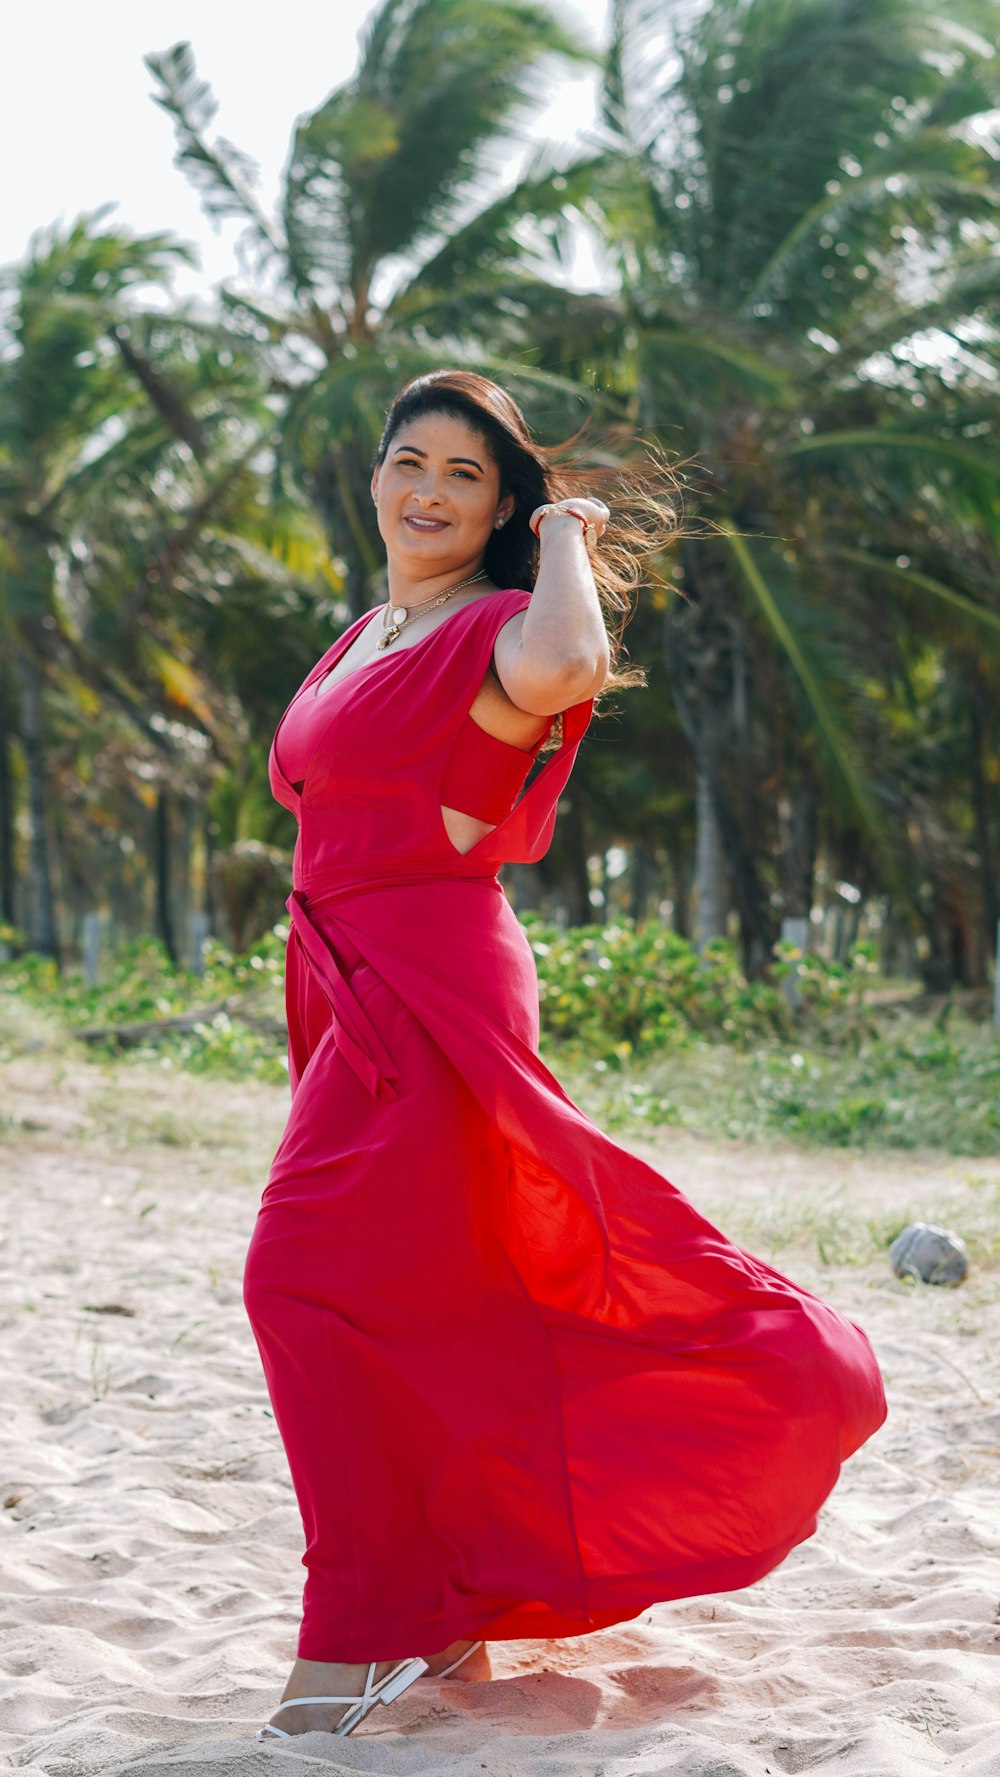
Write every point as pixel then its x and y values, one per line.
pixel 356 1036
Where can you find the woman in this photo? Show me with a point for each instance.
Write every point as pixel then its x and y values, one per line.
pixel 524 1388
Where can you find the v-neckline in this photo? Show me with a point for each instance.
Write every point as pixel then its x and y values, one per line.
pixel 324 668
pixel 408 648
pixel 339 650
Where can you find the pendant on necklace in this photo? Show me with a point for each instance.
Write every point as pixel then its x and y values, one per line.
pixel 391 634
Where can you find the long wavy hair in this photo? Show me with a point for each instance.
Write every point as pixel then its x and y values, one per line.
pixel 645 501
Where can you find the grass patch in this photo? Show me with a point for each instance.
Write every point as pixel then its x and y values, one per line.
pixel 642 1031
pixel 911 1086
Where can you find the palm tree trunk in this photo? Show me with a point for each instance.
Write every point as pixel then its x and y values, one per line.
pixel 711 897
pixel 982 811
pixel 183 897
pixel 342 506
pixel 41 921
pixel 6 805
pixel 698 648
pixel 164 911
pixel 210 831
pixel 526 886
pixel 797 823
pixel 681 891
pixel 642 880
pixel 578 883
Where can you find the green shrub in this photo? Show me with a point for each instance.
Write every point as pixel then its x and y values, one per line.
pixel 643 1031
pixel 139 984
pixel 622 991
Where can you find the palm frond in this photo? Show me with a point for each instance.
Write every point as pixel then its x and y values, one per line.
pixel 830 726
pixel 181 682
pixel 884 438
pixel 969 287
pixel 396 155
pixel 974 618
pixel 223 175
pixel 343 409
pixel 519 317
pixel 909 180
pixel 346 133
pixel 711 367
pixel 909 472
pixel 84 259
pixel 785 142
pixel 554 183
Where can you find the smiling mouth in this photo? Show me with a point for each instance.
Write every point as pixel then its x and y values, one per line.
pixel 425 524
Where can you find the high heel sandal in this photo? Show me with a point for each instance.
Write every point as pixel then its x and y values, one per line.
pixel 458 1662
pixel 386 1691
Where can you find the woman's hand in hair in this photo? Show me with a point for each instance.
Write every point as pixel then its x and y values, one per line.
pixel 594 514
pixel 557 652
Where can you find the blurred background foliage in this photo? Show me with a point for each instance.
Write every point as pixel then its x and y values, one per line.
pixel 794 208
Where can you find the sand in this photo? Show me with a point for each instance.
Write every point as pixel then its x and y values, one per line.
pixel 149 1544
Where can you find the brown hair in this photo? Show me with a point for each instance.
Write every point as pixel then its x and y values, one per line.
pixel 644 501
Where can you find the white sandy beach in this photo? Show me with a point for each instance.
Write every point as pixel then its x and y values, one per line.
pixel 150 1545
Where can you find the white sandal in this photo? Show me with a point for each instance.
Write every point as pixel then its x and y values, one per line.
pixel 386 1691
pixel 458 1662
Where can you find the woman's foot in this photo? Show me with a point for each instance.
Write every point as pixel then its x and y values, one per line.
pixel 477 1666
pixel 320 1678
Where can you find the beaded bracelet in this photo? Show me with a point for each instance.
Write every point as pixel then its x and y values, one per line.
pixel 589 528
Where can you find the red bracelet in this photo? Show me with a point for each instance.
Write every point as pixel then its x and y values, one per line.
pixel 589 529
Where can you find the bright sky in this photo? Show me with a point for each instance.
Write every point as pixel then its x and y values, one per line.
pixel 79 129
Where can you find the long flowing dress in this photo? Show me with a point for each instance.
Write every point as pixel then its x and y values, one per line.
pixel 525 1389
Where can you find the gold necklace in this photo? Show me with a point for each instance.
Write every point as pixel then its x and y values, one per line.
pixel 394 616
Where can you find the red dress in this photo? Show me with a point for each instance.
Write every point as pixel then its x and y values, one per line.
pixel 524 1388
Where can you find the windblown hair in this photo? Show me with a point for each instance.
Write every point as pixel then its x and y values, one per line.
pixel 644 500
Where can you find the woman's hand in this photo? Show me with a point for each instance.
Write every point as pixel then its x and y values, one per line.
pixel 593 513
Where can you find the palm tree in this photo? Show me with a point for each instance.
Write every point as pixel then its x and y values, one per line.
pixel 800 206
pixel 62 384
pixel 385 256
pixel 136 528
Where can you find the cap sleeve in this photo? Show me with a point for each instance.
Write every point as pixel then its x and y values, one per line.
pixel 524 834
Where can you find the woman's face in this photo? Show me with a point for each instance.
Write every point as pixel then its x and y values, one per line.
pixel 438 495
